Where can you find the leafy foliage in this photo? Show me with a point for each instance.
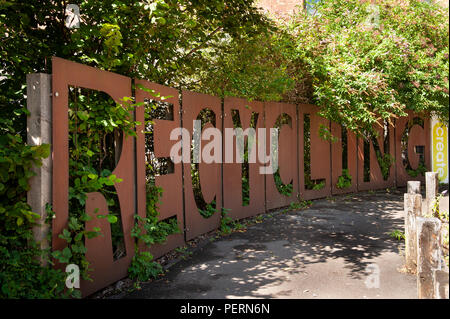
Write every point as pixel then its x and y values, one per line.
pixel 149 229
pixel 385 161
pixel 345 180
pixel 21 274
pixel 300 205
pixel 361 72
pixel 209 210
pixel 180 43
pixel 397 234
pixel 284 189
pixel 421 170
pixel 143 268
pixel 226 222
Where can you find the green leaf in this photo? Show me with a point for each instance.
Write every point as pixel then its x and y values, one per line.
pixel 112 219
pixel 78 237
pixel 67 253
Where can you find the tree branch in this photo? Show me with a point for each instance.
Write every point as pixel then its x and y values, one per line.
pixel 202 44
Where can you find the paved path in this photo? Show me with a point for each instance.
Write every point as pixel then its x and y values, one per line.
pixel 321 252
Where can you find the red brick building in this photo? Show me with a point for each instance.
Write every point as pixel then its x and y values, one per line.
pixel 280 7
pixel 286 7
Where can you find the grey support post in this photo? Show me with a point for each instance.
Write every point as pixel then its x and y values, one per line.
pixel 39 131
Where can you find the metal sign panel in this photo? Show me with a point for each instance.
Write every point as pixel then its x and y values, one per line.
pixel 320 153
pixel 413 134
pixel 232 172
pixel 337 159
pixel 376 178
pixel 210 175
pixel 65 74
pixel 287 154
pixel 171 201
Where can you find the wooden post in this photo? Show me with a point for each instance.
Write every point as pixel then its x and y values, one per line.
pixel 429 255
pixel 431 189
pixel 413 209
pixel 413 187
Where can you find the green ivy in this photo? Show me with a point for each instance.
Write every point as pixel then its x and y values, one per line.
pixel 149 230
pixel 345 180
pixel 209 210
pixel 226 222
pixel 385 161
pixel 285 189
pixel 143 268
pixel 21 272
pixel 421 170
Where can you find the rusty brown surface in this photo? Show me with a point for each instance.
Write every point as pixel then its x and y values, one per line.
pixel 99 249
pixel 171 201
pixel 232 172
pixel 376 178
pixel 287 160
pixel 336 159
pixel 320 152
pixel 65 74
pixel 210 174
pixel 418 136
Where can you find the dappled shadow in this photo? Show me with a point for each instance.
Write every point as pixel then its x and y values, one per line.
pixel 353 229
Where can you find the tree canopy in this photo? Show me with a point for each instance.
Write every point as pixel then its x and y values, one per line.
pixel 364 62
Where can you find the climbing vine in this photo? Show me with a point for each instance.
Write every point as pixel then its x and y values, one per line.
pixel 21 272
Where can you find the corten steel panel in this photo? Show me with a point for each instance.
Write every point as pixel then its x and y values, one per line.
pixel 171 202
pixel 376 178
pixel 287 159
pixel 211 183
pixel 320 153
pixel 98 248
pixel 336 159
pixel 232 172
pixel 417 136
pixel 65 74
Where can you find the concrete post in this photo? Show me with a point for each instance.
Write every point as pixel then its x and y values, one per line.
pixel 429 255
pixel 413 187
pixel 440 279
pixel 413 209
pixel 39 131
pixel 431 189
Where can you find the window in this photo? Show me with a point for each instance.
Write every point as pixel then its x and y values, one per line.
pixel 310 6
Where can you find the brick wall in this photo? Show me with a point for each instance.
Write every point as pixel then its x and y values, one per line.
pixel 280 7
pixel 286 7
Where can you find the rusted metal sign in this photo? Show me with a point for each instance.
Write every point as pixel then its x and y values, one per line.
pixel 373 178
pixel 320 154
pixel 171 202
pixel 343 156
pixel 282 116
pixel 412 136
pixel 209 175
pixel 65 74
pixel 311 157
pixel 251 115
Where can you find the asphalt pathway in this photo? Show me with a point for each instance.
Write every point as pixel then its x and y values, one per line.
pixel 338 248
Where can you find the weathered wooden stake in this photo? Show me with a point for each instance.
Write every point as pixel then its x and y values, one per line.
pixel 413 209
pixel 431 189
pixel 429 255
pixel 413 187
